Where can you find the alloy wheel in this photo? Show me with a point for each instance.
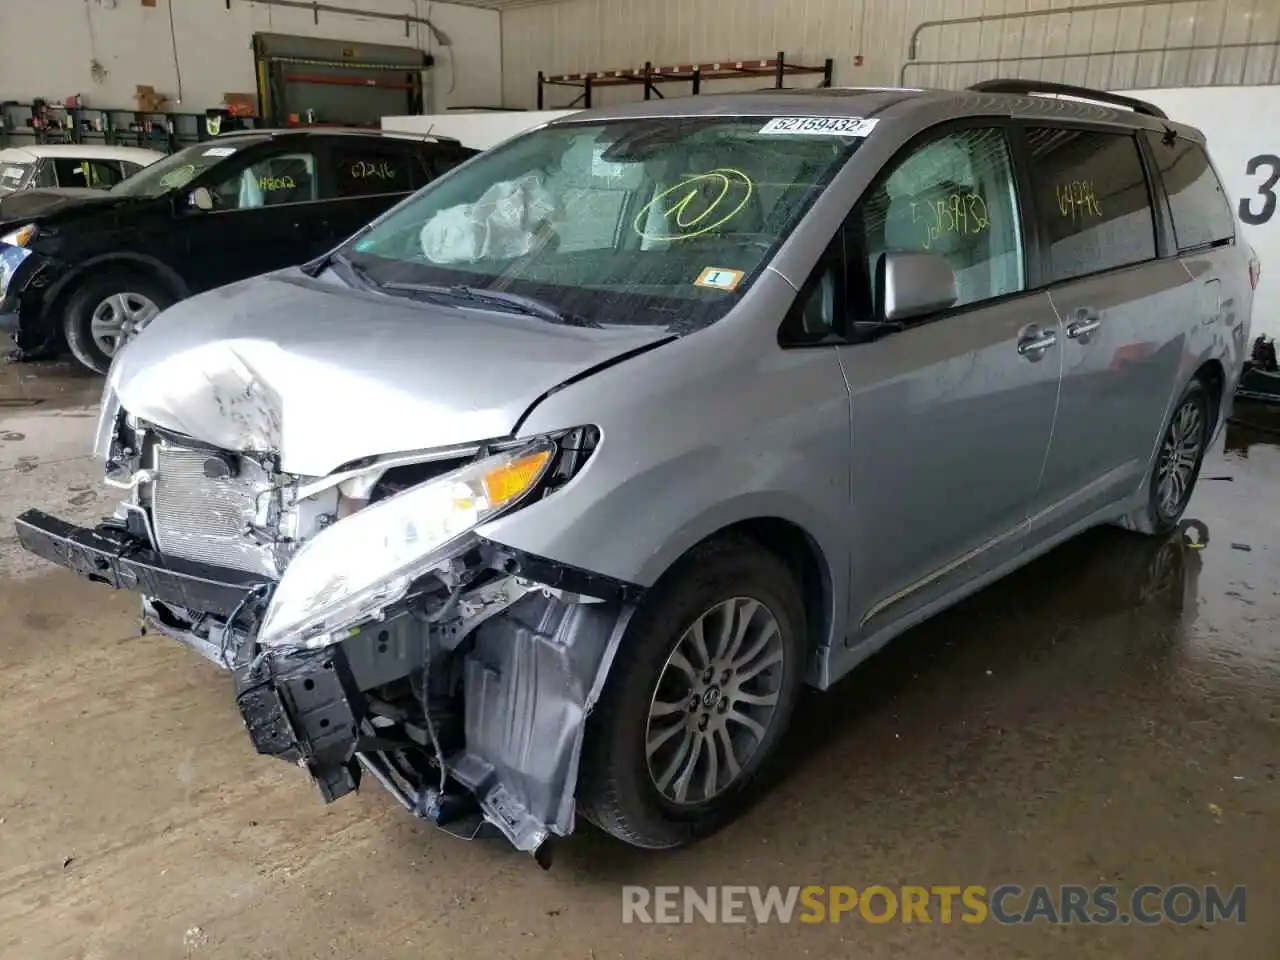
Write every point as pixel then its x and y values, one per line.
pixel 716 698
pixel 119 317
pixel 1180 457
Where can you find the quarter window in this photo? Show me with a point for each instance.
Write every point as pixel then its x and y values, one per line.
pixel 47 176
pixel 955 197
pixel 1201 212
pixel 361 172
pixel 1092 201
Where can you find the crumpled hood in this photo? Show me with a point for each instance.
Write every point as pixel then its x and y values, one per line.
pixel 324 374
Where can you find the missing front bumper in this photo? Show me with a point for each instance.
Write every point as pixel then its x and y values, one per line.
pixel 524 676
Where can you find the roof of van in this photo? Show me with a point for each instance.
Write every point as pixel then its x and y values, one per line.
pixel 888 103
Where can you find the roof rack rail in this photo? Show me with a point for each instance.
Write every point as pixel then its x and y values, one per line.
pixel 1029 87
pixel 338 130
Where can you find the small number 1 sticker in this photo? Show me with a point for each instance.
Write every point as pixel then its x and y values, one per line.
pixel 719 278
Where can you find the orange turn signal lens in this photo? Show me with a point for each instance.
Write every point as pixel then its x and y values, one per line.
pixel 506 483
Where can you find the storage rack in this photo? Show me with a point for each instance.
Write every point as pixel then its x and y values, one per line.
pixel 42 122
pixel 650 77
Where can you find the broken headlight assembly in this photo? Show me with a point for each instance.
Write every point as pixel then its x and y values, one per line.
pixel 353 569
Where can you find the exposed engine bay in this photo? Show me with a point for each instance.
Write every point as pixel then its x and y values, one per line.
pixel 463 691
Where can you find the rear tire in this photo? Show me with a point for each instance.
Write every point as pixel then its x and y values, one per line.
pixel 709 762
pixel 118 301
pixel 1177 463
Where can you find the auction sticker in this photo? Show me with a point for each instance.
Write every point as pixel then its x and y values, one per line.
pixel 821 126
pixel 718 278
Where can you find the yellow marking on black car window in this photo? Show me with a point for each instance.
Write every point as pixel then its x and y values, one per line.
pixel 373 170
pixel 269 184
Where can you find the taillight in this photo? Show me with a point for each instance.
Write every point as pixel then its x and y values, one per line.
pixel 1255 272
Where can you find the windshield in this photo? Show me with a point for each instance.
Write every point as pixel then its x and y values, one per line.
pixel 634 222
pixel 175 171
pixel 14 176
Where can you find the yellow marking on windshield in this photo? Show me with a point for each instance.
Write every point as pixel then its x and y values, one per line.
pixel 687 215
pixel 176 178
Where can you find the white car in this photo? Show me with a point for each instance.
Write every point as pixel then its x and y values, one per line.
pixel 70 165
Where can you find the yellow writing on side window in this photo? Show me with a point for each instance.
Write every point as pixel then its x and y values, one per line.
pixel 957 213
pixel 276 183
pixel 373 170
pixel 695 206
pixel 1077 200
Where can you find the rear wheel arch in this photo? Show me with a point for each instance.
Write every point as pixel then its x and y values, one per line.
pixel 1214 377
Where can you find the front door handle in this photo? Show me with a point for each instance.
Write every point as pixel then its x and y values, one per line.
pixel 1034 344
pixel 1086 323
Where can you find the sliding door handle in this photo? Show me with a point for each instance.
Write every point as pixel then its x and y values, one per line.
pixel 1033 345
pixel 1086 322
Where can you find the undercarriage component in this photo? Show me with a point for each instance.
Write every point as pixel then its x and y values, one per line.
pixel 526 687
pixel 304 708
pixel 530 682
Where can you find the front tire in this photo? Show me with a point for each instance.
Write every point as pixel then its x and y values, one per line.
pixel 699 697
pixel 106 311
pixel 1177 463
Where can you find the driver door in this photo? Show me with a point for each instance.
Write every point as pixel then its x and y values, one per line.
pixel 951 413
pixel 267 215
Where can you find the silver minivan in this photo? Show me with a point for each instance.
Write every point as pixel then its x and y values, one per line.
pixel 545 494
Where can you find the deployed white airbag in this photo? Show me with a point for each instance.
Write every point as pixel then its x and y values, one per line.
pixel 508 220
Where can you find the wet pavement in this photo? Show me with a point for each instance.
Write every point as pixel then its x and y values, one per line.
pixel 1109 715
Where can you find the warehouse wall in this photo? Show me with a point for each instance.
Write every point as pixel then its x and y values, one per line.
pixel 1240 38
pixel 46 47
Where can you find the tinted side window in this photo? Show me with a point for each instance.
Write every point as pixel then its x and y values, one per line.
pixel 87 173
pixel 1201 212
pixel 273 181
pixel 442 161
pixel 361 170
pixel 1092 201
pixel 953 196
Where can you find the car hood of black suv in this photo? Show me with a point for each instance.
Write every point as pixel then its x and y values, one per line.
pixel 27 206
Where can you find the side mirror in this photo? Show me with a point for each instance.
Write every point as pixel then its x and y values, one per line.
pixel 200 199
pixel 912 284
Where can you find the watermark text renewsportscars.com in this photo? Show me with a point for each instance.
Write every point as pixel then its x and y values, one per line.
pixel 1147 904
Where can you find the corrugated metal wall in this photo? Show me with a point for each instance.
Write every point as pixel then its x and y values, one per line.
pixel 1117 45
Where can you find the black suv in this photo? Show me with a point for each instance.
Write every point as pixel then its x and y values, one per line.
pixel 85 271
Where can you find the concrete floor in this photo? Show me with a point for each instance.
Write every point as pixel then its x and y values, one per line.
pixel 1110 714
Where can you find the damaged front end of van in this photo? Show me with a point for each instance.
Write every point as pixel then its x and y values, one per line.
pixel 371 627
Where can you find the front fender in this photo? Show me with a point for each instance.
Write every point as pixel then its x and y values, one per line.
pixel 71 274
pixel 690 447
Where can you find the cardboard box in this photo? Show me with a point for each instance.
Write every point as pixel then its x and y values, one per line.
pixel 148 101
pixel 240 104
